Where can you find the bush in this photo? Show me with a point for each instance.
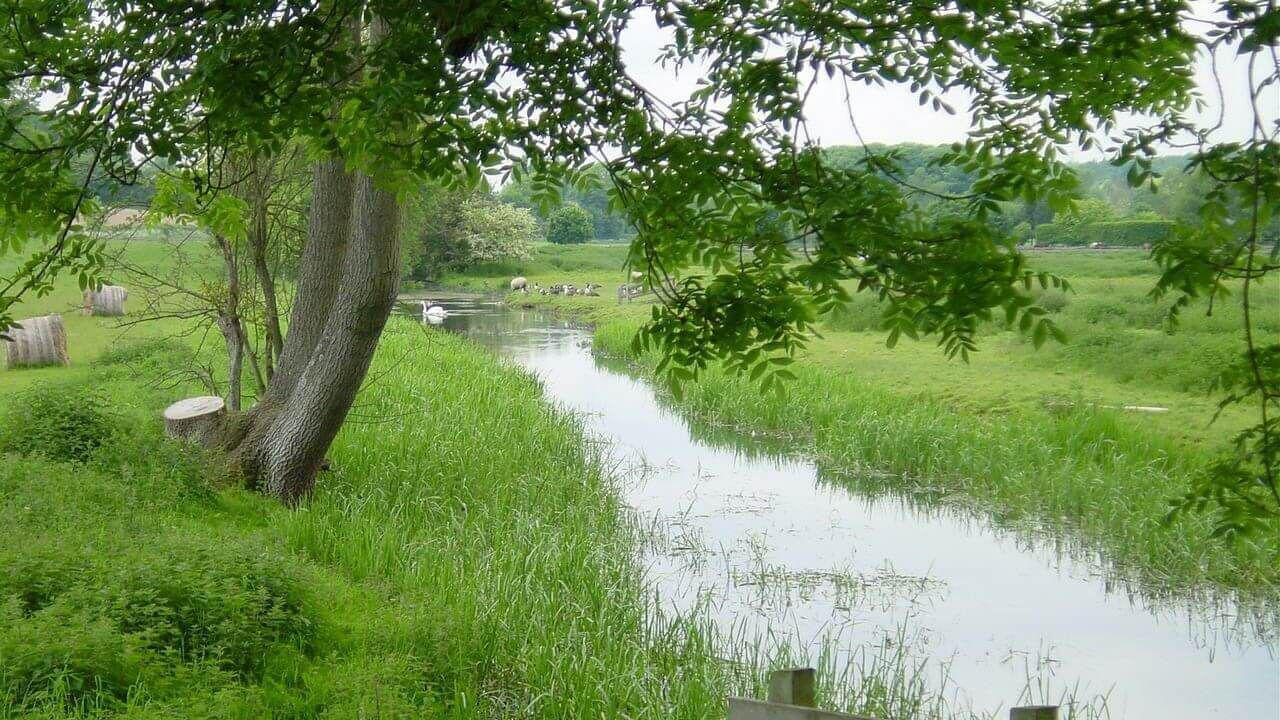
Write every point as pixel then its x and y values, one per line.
pixel 64 655
pixel 1053 301
pixel 84 617
pixel 1125 233
pixel 61 421
pixel 569 225
pixel 452 230
pixel 150 358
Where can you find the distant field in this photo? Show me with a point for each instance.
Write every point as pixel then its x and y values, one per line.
pixel 1120 350
pixel 87 337
pixel 577 264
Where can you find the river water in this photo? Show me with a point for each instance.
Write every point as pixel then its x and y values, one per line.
pixel 771 549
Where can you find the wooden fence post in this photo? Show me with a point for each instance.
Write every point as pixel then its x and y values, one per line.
pixel 1034 712
pixel 793 686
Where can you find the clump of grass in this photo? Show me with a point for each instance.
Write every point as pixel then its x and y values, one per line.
pixel 150 358
pixel 59 420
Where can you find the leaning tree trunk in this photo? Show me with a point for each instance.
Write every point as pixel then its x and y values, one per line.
pixel 347 285
pixel 348 277
pixel 319 271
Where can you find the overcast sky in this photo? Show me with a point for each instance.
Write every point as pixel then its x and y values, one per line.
pixel 893 114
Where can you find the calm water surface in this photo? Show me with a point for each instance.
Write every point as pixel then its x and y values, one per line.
pixel 772 549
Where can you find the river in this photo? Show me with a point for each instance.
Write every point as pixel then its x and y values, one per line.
pixel 771 549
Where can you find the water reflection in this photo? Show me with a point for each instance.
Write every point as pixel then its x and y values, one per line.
pixel 772 547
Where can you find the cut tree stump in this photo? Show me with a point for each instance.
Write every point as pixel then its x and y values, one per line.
pixel 37 341
pixel 198 419
pixel 108 301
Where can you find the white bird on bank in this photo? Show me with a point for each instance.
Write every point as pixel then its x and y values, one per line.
pixel 433 314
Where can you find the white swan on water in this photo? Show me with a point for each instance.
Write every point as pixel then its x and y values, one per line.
pixel 433 314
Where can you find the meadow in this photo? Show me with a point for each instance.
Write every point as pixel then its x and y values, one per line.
pixel 1037 439
pixel 466 556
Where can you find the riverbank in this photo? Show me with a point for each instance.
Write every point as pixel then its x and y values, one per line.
pixel 1039 442
pixel 467 556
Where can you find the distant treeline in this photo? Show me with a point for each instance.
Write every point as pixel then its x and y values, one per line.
pixel 1112 212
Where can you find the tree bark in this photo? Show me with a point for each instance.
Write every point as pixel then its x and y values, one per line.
pixel 230 325
pixel 319 271
pixel 327 388
pixel 348 277
pixel 286 435
pixel 263 177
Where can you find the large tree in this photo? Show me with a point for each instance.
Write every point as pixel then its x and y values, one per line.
pixel 388 91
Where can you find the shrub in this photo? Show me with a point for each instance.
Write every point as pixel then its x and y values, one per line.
pixel 1126 233
pixel 569 225
pixel 85 616
pixel 455 231
pixel 61 421
pixel 150 350
pixel 1053 301
pixel 64 655
pixel 152 358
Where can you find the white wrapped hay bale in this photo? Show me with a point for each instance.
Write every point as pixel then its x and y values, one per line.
pixel 37 341
pixel 109 300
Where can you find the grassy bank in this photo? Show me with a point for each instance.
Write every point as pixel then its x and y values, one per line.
pixel 547 265
pixel 1036 440
pixel 466 557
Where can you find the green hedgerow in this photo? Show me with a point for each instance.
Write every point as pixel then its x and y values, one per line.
pixel 83 618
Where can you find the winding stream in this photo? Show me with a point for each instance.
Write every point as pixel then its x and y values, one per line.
pixel 771 549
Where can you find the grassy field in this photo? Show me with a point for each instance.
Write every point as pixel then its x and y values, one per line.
pixel 549 264
pixel 1033 438
pixel 87 337
pixel 466 557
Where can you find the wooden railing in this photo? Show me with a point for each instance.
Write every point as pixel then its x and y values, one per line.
pixel 791 697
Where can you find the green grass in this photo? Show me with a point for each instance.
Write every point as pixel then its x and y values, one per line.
pixel 1032 439
pixel 467 557
pixel 469 562
pixel 549 264
pixel 88 336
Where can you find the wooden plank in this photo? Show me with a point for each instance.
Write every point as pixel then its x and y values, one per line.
pixel 1034 712
pixel 749 709
pixel 792 686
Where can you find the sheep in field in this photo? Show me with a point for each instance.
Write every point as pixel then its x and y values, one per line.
pixel 519 283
